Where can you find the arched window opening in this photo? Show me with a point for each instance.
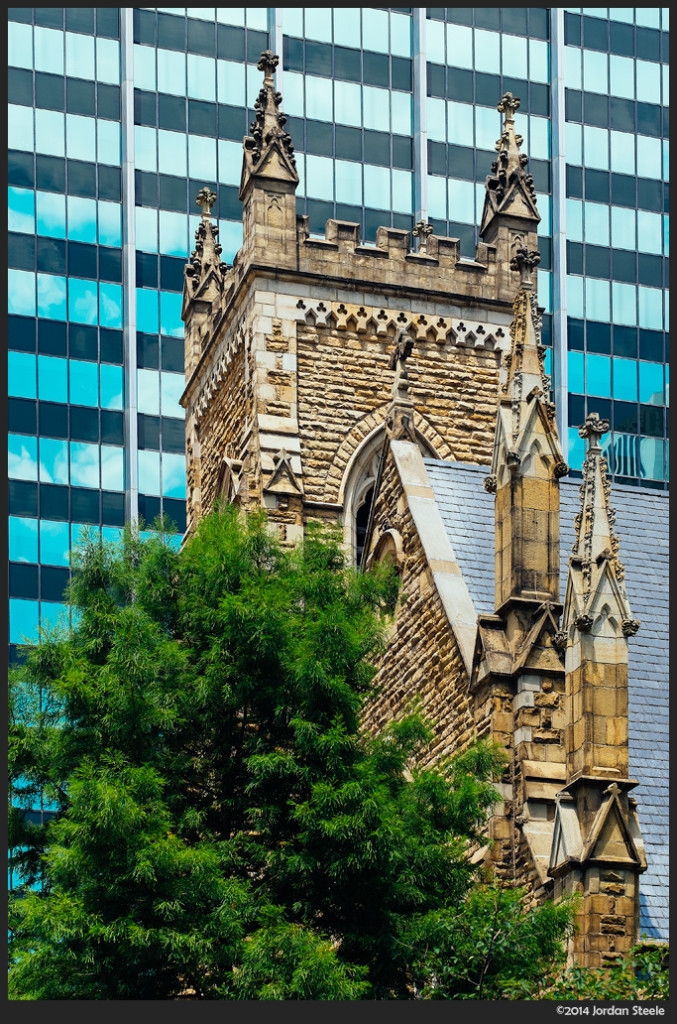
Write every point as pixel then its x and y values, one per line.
pixel 361 523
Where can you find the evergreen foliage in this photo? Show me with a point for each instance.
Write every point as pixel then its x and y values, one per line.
pixel 222 828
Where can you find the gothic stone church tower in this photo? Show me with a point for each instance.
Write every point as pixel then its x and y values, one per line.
pixel 336 381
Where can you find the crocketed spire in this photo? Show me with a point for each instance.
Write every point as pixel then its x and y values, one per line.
pixel 206 255
pixel 509 188
pixel 596 574
pixel 268 135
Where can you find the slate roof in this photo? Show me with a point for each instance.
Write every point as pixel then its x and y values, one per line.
pixel 467 512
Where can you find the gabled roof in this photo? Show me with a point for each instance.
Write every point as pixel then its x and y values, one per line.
pixel 467 512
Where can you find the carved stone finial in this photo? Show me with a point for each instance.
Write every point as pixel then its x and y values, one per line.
pixel 525 260
pixel 508 105
pixel 205 199
pixel 422 231
pixel 592 429
pixel 267 63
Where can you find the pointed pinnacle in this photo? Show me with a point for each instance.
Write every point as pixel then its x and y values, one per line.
pixel 592 430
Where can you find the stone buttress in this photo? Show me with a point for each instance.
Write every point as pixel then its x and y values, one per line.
pixel 597 849
pixel 517 678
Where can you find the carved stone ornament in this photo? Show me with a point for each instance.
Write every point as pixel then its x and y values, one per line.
pixel 490 483
pixel 270 121
pixel 630 626
pixel 422 231
pixel 560 469
pixel 560 639
pixel 584 622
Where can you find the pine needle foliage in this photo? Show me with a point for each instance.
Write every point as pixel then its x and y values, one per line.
pixel 222 827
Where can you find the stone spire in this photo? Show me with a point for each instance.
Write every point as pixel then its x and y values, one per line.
pixel 509 188
pixel 597 847
pixel 269 180
pixel 203 281
pixel 527 459
pixel 596 574
pixel 269 150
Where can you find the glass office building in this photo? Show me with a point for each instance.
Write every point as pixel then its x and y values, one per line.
pixel 117 117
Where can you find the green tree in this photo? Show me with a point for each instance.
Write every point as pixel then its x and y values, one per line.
pixel 222 826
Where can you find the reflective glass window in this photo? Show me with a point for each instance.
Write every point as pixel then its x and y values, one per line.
pixel 461 201
pixel 595 72
pixel 649 232
pixel 319 101
pixel 21 210
pixel 82 301
pixel 110 305
pixel 576 453
pixel 80 55
pixel 574 298
pixel 514 54
pixel 347 103
pixel 596 143
pixel 171 72
pixel 460 118
pixel 375 29
pixel 319 177
pixel 52 379
pixel 48 50
pixel 108 61
pixel 23 539
pixel 111 383
pixel 201 78
pixel 21 292
pixel 20 127
pixel 50 132
pixel 625 380
pixel 622 76
pixel 400 34
pixel 649 308
pixel 377 187
pixel 623 229
pixel 21 375
pixel 22 457
pixel 170 314
pixel 231 87
pixel 401 111
pixel 173 233
pixel 651 453
pixel 110 223
pixel 148 388
pixel 573 66
pixel 487 127
pixel 348 182
pixel 53 614
pixel 575 367
pixel 147 310
pixel 146 231
pixel 487 51
pixel 53 461
pixel 624 298
pixel 51 214
pixel 149 472
pixel 173 476
pixel 648 89
pixel 108 142
pixel 173 154
pixel 144 68
pixel 347 24
pixel 622 152
pixel 539 138
pixel 649 157
pixel 145 148
pixel 24 620
pixel 54 542
pixel 574 143
pixel 318 23
pixel 84 464
pixel 20 45
pixel 81 219
pixel 539 61
pixel 597 299
pixel 171 387
pixel 112 468
pixel 83 383
pixel 202 157
pixel 402 191
pixel 596 224
pixel 52 297
pixel 598 373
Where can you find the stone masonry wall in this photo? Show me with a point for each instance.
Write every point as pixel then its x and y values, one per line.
pixel 344 386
